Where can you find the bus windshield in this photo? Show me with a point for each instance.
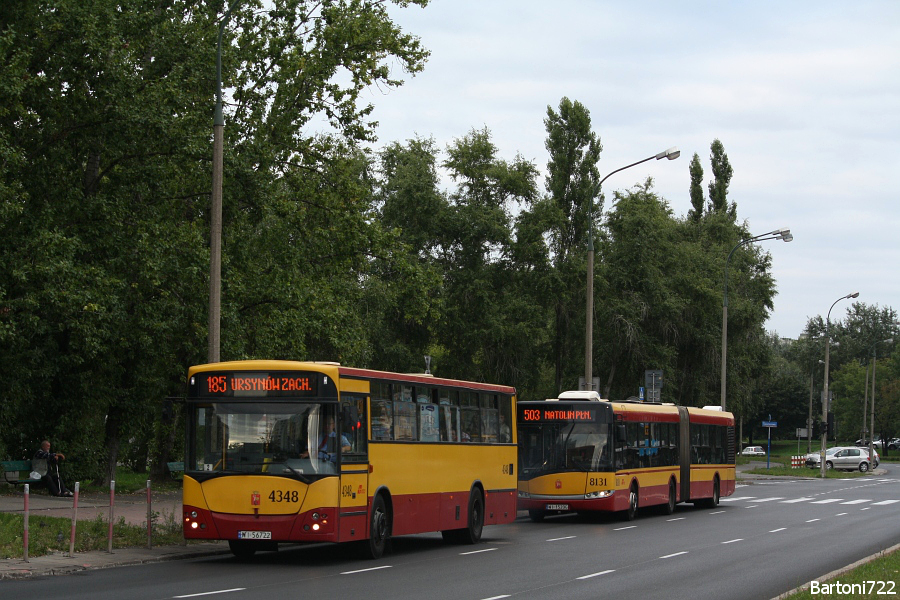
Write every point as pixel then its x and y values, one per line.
pixel 266 438
pixel 559 447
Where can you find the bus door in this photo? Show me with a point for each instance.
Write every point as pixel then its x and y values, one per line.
pixel 354 487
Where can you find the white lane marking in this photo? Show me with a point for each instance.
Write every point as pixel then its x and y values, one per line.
pixel 209 593
pixel 671 555
pixel 813 520
pixel 769 499
pixel 840 514
pixel 477 551
pixel 366 570
pixel 676 519
pixel 856 501
pixel 777 530
pixel 624 528
pixel 718 512
pixel 596 574
pixel 736 498
pixel 828 501
pixel 568 537
pixel 497 597
pixel 733 541
pixel 795 500
pixel 884 502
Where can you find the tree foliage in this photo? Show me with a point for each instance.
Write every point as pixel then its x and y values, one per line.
pixel 332 251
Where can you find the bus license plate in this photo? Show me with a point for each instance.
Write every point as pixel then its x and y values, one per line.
pixel 254 535
pixel 557 507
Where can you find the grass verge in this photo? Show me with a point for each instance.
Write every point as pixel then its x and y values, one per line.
pixel 52 534
pixel 804 472
pixel 876 579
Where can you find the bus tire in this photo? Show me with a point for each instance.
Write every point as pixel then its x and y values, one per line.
pixel 379 528
pixel 242 548
pixel 669 507
pixel 537 515
pixel 631 512
pixel 472 533
pixel 714 501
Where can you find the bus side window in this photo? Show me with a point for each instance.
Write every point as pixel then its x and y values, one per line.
pixel 382 412
pixel 490 422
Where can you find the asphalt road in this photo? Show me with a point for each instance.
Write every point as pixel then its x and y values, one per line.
pixel 769 537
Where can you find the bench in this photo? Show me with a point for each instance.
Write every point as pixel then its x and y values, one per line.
pixel 13 470
pixel 175 468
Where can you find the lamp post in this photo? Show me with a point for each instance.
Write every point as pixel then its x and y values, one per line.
pixel 872 415
pixel 215 224
pixel 671 154
pixel 809 419
pixel 825 385
pixel 778 234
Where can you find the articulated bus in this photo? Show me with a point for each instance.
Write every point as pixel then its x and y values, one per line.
pixel 280 451
pixel 581 453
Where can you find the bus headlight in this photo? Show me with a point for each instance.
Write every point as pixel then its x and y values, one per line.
pixel 598 494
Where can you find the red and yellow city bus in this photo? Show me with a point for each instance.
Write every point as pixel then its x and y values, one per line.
pixel 281 451
pixel 581 453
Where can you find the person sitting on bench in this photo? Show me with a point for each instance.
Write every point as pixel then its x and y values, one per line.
pixel 54 483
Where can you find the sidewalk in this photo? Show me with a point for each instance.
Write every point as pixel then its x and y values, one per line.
pixel 130 507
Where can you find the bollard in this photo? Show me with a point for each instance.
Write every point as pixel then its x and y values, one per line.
pixel 74 519
pixel 25 532
pixel 112 504
pixel 149 518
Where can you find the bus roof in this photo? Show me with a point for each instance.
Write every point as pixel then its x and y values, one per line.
pixel 350 372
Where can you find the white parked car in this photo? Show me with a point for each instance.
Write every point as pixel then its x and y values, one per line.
pixel 753 451
pixel 842 457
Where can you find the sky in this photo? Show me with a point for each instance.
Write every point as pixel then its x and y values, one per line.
pixel 804 96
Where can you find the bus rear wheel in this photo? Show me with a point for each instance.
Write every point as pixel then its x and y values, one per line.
pixel 714 501
pixel 379 528
pixel 471 534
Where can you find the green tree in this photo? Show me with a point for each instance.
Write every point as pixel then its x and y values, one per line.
pixel 485 319
pixel 696 190
pixel 105 180
pixel 718 187
pixel 575 201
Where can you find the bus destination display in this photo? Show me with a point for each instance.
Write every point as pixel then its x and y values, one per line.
pixel 255 384
pixel 543 415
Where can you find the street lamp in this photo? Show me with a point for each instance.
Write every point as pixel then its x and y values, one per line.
pixel 778 234
pixel 215 220
pixel 671 154
pixel 809 419
pixel 825 386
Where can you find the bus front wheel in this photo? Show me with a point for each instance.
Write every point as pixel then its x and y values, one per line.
pixel 242 548
pixel 379 528
pixel 537 515
pixel 669 507
pixel 631 511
